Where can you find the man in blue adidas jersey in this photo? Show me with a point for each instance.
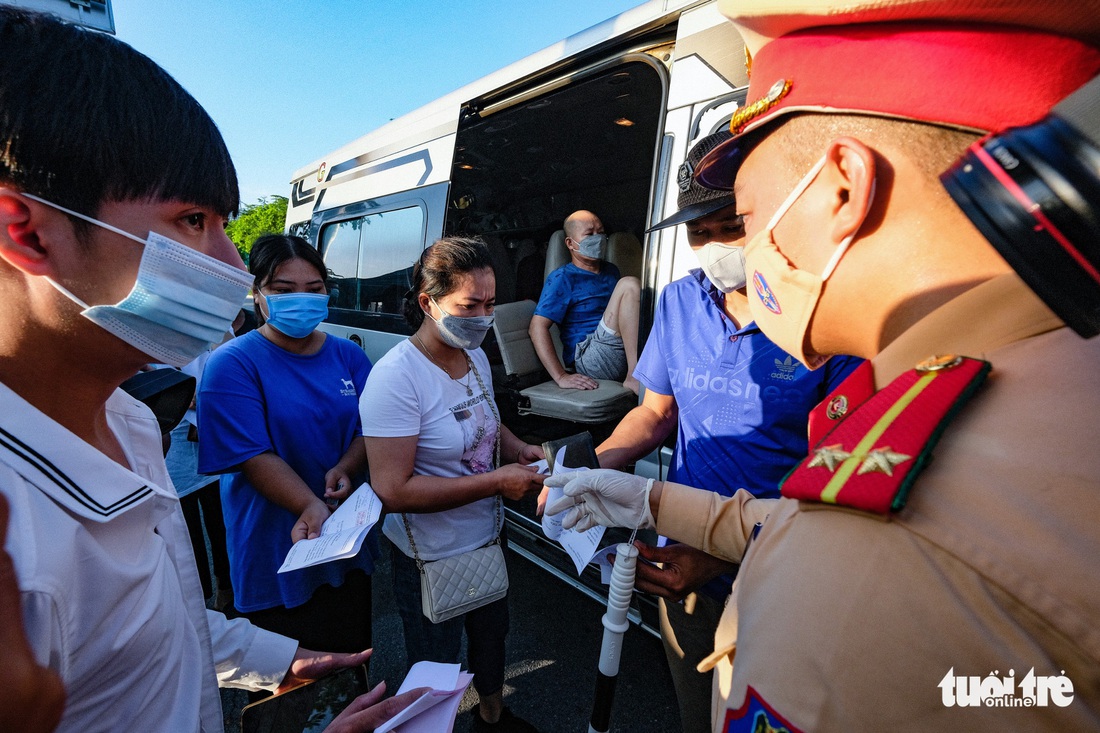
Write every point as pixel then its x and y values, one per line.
pixel 739 404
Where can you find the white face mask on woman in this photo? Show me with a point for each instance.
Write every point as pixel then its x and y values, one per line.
pixel 786 297
pixel 459 332
pixel 182 301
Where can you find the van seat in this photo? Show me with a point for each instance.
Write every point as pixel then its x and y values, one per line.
pixel 625 252
pixel 610 401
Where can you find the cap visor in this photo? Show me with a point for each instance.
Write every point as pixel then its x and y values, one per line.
pixel 693 212
pixel 718 168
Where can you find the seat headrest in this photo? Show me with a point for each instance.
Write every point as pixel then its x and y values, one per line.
pixel 625 252
pixel 557 254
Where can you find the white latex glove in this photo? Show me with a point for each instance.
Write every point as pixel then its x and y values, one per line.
pixel 602 496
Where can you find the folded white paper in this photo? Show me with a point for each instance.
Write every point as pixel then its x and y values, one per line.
pixel 580 546
pixel 342 534
pixel 435 710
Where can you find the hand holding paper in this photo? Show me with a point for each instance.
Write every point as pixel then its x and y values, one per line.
pixel 434 711
pixel 580 546
pixel 342 534
pixel 601 497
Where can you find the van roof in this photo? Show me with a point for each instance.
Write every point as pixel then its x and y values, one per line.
pixel 440 117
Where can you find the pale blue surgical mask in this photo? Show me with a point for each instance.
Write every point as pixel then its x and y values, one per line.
pixel 182 301
pixel 462 333
pixel 296 314
pixel 594 246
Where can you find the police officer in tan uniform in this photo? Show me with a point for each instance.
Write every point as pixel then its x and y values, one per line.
pixel 888 591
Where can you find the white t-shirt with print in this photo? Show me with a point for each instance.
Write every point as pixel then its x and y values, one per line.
pixel 406 394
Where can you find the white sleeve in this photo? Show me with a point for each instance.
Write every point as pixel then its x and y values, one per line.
pixel 247 656
pixel 390 405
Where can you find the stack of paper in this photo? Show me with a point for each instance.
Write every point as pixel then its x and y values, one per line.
pixel 435 710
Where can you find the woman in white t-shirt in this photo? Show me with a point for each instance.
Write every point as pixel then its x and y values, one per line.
pixel 431 431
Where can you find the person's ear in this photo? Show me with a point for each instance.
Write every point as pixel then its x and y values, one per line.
pixel 23 237
pixel 850 172
pixel 425 302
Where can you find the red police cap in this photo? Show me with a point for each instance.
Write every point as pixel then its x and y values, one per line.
pixel 974 65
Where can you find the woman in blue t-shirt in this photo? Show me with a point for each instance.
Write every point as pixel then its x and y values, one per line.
pixel 279 418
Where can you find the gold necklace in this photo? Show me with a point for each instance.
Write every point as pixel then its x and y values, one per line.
pixel 469 389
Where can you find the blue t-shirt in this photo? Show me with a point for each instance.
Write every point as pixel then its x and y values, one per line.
pixel 575 299
pixel 743 402
pixel 257 397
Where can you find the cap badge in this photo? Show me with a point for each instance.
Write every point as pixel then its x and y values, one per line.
pixel 748 62
pixel 684 176
pixel 751 111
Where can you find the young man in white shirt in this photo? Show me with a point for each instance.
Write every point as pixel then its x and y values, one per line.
pixel 101 148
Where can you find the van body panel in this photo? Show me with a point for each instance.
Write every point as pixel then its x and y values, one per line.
pixel 600 120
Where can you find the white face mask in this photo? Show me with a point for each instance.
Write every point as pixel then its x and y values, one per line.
pixel 182 300
pixel 461 332
pixel 724 265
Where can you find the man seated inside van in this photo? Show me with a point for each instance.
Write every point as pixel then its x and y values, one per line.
pixel 596 311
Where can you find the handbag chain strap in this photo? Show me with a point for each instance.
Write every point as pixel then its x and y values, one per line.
pixel 496 455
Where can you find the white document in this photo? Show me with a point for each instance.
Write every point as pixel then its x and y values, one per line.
pixel 603 562
pixel 342 534
pixel 580 546
pixel 435 710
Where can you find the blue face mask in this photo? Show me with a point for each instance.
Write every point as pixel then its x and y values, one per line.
pixel 296 314
pixel 182 301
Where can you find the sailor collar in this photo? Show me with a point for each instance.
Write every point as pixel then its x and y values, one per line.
pixel 70 471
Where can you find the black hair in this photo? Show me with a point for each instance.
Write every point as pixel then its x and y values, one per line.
pixel 439 270
pixel 271 251
pixel 85 119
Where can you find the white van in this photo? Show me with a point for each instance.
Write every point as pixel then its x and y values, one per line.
pixel 601 121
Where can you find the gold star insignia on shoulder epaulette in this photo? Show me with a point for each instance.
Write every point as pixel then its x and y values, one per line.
pixel 872 457
pixel 829 456
pixel 882 460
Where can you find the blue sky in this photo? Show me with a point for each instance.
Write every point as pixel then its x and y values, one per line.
pixel 288 81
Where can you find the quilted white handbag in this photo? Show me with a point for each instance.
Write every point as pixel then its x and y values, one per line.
pixel 456 585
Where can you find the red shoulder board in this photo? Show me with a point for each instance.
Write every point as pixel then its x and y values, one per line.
pixel 871 459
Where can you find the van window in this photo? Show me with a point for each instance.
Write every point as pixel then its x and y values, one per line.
pixel 371 259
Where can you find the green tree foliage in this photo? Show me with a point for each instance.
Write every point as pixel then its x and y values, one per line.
pixel 266 216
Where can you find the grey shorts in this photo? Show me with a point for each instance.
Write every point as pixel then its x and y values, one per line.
pixel 601 355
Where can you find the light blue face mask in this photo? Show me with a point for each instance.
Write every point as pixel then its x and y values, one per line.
pixel 296 314
pixel 182 302
pixel 594 246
